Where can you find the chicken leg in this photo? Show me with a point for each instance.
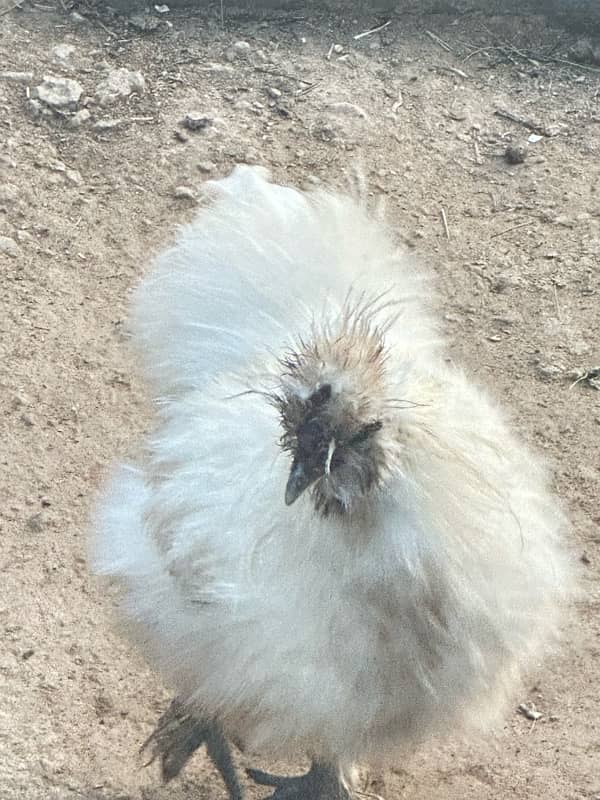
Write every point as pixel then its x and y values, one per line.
pixel 177 736
pixel 321 782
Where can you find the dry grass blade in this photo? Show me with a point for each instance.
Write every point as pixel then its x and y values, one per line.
pixel 372 30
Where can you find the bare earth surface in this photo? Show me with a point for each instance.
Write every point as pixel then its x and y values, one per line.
pixel 83 208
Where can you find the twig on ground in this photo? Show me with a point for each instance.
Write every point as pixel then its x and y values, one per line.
pixel 475 138
pixel 590 376
pixel 12 7
pixel 94 19
pixel 373 30
pixel 307 89
pixel 532 58
pixel 445 223
pixel 479 50
pixel 285 75
pixel 527 123
pixel 507 46
pixel 553 60
pixel 453 70
pixel 434 37
pixel 558 314
pixel 508 230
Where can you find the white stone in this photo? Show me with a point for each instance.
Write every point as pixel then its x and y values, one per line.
pixel 79 118
pixel 119 83
pixel 63 93
pixel 8 247
pixel 62 54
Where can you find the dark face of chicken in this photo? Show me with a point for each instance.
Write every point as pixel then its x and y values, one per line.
pixel 335 451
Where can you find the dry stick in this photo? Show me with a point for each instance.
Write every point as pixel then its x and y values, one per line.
pixel 445 221
pixel 7 10
pixel 527 123
pixel 307 89
pixel 538 59
pixel 508 46
pixel 480 50
pixel 103 26
pixel 558 314
pixel 284 75
pixel 508 230
pixel 475 140
pixel 570 64
pixel 373 30
pixel 453 70
pixel 439 41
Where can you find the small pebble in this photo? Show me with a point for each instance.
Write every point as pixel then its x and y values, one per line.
pixel 502 284
pixel 515 155
pixel 35 523
pixel 79 118
pixel 8 247
pixel 184 193
pixel 348 109
pixel 195 121
pixel 529 712
pixel 62 54
pixel 273 92
pixel 549 371
pixel 107 125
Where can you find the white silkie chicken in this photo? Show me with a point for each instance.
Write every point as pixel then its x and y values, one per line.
pixel 335 546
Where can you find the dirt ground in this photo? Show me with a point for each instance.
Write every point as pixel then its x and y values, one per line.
pixel 84 206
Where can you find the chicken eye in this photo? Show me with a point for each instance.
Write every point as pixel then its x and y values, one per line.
pixel 321 395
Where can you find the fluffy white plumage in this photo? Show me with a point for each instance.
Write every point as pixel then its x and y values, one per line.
pixel 342 635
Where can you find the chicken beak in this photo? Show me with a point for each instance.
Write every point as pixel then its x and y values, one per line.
pixel 298 482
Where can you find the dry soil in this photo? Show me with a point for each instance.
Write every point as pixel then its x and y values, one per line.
pixel 84 206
